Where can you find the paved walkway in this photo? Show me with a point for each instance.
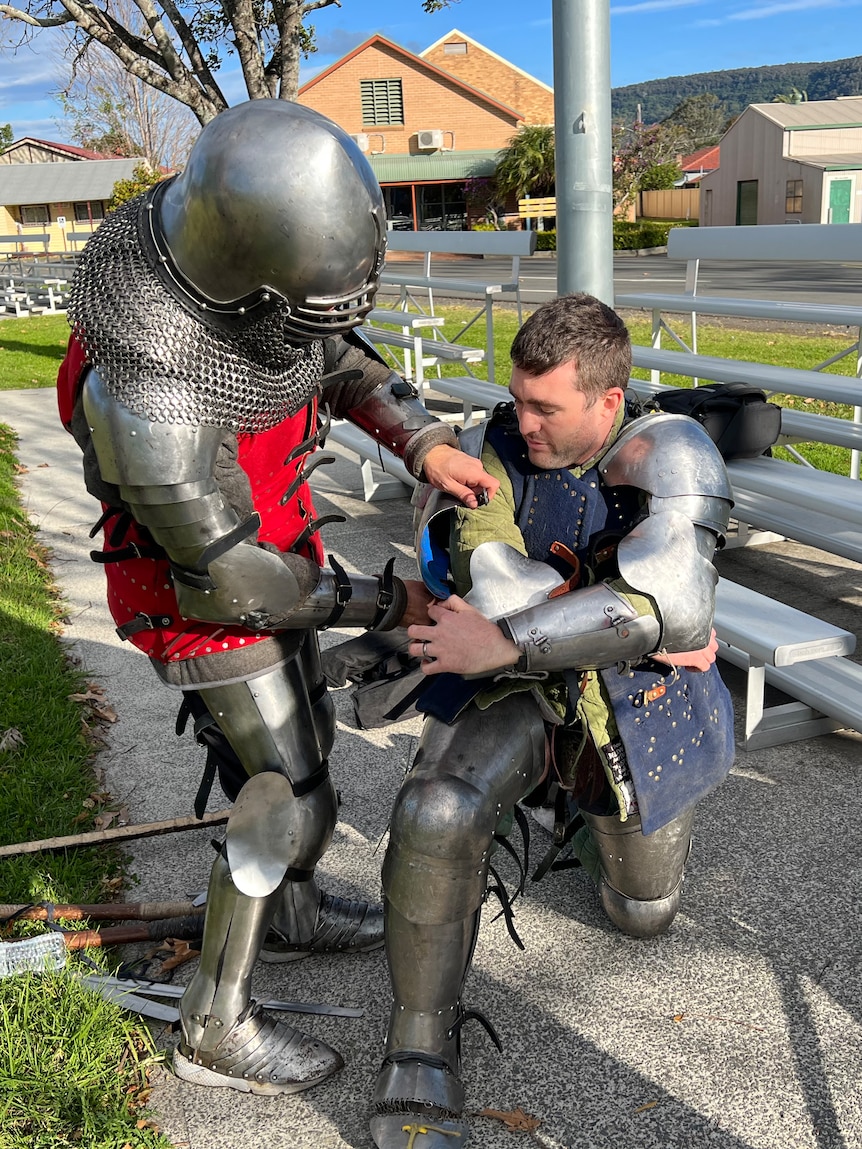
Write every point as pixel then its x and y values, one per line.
pixel 741 1029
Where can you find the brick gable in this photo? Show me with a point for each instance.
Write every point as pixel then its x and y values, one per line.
pixel 489 73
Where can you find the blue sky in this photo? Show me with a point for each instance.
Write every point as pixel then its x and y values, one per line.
pixel 649 39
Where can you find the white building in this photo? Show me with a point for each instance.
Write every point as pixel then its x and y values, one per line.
pixel 788 163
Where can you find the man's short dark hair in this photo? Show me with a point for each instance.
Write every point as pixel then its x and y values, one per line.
pixel 580 329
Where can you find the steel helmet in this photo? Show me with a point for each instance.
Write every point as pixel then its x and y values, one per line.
pixel 275 200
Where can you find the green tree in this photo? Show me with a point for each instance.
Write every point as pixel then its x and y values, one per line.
pixel 482 197
pixel 6 137
pixel 794 96
pixel 700 119
pixel 142 179
pixel 658 177
pixel 526 165
pixel 637 151
pixel 182 47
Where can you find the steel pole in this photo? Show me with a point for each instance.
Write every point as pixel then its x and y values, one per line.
pixel 582 114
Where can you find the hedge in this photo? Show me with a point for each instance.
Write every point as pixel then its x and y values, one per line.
pixel 627 236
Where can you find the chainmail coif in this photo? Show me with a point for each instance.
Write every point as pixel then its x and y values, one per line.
pixel 163 362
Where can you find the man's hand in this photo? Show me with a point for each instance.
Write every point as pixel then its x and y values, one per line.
pixel 419 598
pixel 462 641
pixel 692 659
pixel 450 470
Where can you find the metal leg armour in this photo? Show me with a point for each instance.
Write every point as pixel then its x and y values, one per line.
pixel 279 829
pixel 226 1040
pixel 641 875
pixel 464 779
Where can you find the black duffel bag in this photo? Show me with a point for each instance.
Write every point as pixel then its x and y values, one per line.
pixel 737 417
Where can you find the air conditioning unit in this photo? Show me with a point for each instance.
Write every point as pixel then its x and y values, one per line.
pixel 361 141
pixel 429 140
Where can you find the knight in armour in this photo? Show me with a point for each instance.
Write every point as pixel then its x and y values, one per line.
pixel 214 332
pixel 569 663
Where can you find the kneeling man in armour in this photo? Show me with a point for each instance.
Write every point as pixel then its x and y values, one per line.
pixel 578 651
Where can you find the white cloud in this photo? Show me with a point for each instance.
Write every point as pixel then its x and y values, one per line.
pixel 781 6
pixel 651 6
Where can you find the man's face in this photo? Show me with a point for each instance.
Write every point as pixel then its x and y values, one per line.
pixel 559 428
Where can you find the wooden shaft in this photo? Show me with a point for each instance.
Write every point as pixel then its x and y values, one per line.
pixel 115 834
pixel 185 928
pixel 105 912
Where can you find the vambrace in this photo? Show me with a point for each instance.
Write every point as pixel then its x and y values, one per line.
pixel 395 418
pixel 263 590
pixel 587 629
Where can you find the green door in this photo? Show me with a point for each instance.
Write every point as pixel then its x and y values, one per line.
pixel 746 202
pixel 839 201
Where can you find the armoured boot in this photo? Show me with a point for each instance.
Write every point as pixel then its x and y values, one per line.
pixel 419 1086
pixel 641 875
pixel 227 1041
pixel 307 921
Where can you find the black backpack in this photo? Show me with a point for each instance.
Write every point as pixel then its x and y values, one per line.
pixel 737 417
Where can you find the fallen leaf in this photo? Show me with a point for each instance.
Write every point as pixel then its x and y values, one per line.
pixel 180 952
pixel 41 465
pixel 104 820
pixel 514 1119
pixel 647 1105
pixel 11 738
pixel 106 713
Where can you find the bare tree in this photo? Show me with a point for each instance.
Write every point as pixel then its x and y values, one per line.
pixel 112 111
pixel 181 50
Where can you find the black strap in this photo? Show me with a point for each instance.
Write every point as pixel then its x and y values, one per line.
pixel 474 1015
pixel 206 785
pixel 306 785
pixel 564 831
pixel 129 551
pixel 108 513
pixel 294 875
pixel 385 595
pixel 312 527
pixel 141 622
pixel 302 475
pixel 506 911
pixel 343 593
pixel 227 542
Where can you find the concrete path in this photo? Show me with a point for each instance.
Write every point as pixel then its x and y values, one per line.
pixel 741 1029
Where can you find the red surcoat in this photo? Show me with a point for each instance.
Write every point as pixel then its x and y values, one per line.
pixel 144 587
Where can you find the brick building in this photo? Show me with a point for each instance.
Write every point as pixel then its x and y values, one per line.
pixel 428 123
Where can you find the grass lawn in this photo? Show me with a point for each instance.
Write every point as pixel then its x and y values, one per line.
pixel 72 1067
pixel 31 350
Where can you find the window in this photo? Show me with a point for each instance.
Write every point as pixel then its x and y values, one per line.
pixel 35 215
pixel 793 197
pixel 84 212
pixel 382 102
pixel 455 48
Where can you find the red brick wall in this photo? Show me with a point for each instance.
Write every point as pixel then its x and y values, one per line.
pixel 430 101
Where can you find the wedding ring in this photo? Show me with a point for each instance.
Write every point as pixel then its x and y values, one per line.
pixel 424 649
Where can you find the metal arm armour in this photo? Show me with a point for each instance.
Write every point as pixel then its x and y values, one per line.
pixel 393 415
pixel 585 629
pixel 166 476
pixel 667 556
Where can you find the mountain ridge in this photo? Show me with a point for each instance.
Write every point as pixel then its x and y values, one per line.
pixel 736 88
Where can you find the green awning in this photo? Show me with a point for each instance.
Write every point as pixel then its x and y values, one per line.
pixel 398 169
